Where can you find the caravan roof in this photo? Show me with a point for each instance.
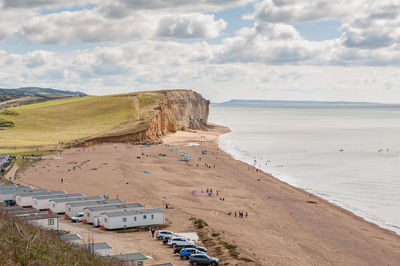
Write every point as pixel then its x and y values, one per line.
pixel 77 199
pixel 44 193
pixel 114 207
pixel 124 213
pixel 40 197
pixel 76 204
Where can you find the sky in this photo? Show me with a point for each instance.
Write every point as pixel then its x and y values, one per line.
pixel 337 50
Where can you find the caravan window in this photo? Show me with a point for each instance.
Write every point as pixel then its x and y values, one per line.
pixel 124 220
pixel 134 218
pixel 50 222
pixel 54 205
pixel 152 216
pixel 88 214
pixel 105 220
pixel 144 216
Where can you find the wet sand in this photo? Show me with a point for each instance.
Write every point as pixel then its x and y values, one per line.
pixel 281 229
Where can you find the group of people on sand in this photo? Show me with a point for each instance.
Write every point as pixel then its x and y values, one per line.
pixel 239 213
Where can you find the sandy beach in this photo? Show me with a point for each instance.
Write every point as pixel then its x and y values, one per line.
pixel 282 227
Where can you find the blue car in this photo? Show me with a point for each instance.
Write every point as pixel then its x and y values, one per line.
pixel 185 253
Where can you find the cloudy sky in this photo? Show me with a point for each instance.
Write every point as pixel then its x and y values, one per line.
pixel 224 49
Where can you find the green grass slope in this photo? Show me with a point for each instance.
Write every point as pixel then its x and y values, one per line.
pixel 52 123
pixel 25 244
pixel 16 97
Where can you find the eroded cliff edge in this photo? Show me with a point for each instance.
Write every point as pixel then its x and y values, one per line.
pixel 177 110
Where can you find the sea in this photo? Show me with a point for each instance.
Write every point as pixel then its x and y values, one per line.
pixel 346 154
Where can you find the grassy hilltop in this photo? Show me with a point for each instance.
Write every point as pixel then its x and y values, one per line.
pixel 49 124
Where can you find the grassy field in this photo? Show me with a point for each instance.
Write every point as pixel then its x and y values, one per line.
pixel 52 123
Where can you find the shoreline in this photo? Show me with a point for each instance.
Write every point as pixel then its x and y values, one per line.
pixel 359 213
pixel 282 228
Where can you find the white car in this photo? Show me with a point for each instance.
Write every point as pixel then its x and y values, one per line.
pixel 161 234
pixel 178 241
pixel 77 218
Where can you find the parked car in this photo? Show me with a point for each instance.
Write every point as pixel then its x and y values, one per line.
pixel 161 234
pixel 77 217
pixel 185 253
pixel 166 239
pixel 178 241
pixel 203 259
pixel 178 249
pixel 10 202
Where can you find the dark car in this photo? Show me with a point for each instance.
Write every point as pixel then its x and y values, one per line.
pixel 10 202
pixel 178 249
pixel 165 239
pixel 203 259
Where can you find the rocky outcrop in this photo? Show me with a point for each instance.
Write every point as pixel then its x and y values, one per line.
pixel 178 110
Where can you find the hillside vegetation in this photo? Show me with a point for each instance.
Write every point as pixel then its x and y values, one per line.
pixel 28 95
pixel 25 244
pixel 62 122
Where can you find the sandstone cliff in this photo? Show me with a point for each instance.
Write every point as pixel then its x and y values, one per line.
pixel 177 110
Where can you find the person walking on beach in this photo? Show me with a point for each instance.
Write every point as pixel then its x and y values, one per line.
pixel 62 181
pixel 247 214
pixel 235 214
pixel 152 232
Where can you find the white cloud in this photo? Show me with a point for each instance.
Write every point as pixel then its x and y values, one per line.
pixel 306 10
pixel 190 26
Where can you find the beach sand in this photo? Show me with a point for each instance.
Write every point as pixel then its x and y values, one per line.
pixel 282 227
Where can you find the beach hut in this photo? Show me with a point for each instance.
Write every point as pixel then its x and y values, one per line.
pixel 135 218
pixel 73 208
pixel 133 259
pixel 48 221
pixel 25 199
pixel 10 194
pixel 58 205
pixel 72 238
pixel 89 213
pixel 102 248
pixel 23 212
pixel 42 202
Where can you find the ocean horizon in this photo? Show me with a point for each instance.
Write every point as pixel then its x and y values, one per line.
pixel 348 155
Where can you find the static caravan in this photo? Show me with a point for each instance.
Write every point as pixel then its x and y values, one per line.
pixel 72 238
pixel 127 219
pixel 58 205
pixel 42 202
pixel 48 221
pixel 23 212
pixel 76 207
pixel 102 249
pixel 89 213
pixel 25 199
pixel 10 194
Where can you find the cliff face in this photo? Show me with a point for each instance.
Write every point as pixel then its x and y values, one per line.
pixel 178 110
